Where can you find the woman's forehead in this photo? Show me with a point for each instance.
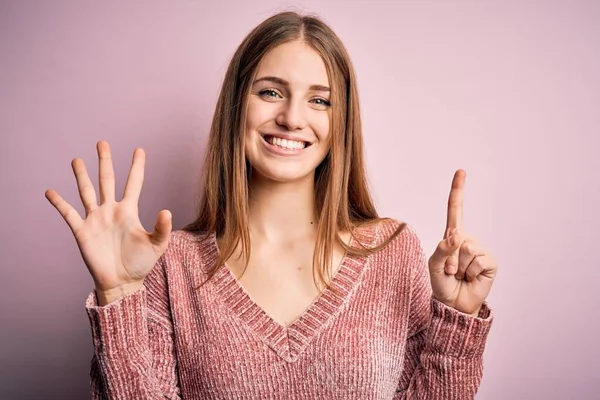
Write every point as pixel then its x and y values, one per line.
pixel 296 63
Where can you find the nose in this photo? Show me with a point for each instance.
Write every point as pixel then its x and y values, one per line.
pixel 292 115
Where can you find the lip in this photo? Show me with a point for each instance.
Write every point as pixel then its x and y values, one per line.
pixel 280 150
pixel 287 136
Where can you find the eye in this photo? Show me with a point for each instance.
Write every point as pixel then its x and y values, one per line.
pixel 269 93
pixel 321 102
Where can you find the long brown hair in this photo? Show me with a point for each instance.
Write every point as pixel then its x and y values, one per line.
pixel 342 198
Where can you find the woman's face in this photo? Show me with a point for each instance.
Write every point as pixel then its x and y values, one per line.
pixel 288 117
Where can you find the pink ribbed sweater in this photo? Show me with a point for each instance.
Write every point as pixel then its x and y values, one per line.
pixel 382 337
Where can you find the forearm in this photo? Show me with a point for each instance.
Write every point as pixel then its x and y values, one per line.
pixel 445 361
pixel 123 352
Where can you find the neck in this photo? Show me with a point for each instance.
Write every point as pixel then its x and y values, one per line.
pixel 282 212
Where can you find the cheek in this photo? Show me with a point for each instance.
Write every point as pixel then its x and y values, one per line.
pixel 258 113
pixel 251 118
pixel 322 127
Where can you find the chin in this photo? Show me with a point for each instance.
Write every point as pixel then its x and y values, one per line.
pixel 282 174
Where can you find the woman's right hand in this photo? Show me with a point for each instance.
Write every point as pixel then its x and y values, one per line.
pixel 117 250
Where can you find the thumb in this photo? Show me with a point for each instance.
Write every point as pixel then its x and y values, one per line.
pixel 162 229
pixel 444 250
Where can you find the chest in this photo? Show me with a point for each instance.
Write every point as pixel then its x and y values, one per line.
pixel 237 353
pixel 331 369
pixel 282 281
pixel 344 345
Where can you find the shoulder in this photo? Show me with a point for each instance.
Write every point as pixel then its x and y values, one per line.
pixel 180 237
pixel 182 240
pixel 387 231
pixel 394 243
pixel 189 248
pixel 397 257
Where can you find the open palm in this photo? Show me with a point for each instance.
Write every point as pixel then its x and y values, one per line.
pixel 115 247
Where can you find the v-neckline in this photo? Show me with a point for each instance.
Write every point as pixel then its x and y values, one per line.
pixel 289 342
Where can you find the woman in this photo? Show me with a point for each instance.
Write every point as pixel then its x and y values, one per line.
pixel 288 285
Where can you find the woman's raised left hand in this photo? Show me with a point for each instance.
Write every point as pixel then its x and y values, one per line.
pixel 462 271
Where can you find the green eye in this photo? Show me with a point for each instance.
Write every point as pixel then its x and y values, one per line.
pixel 268 93
pixel 322 102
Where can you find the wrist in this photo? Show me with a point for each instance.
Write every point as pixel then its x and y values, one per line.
pixel 476 313
pixel 473 313
pixel 105 297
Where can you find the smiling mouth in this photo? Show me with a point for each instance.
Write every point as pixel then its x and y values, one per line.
pixel 287 144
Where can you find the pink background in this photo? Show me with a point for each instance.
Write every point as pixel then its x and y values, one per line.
pixel 509 91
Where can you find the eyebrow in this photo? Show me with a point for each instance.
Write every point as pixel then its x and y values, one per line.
pixel 281 81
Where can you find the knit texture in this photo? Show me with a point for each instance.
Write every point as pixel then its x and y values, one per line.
pixel 380 336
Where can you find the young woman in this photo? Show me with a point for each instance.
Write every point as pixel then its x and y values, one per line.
pixel 287 285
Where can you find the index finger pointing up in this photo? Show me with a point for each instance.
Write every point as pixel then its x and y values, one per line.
pixel 455 202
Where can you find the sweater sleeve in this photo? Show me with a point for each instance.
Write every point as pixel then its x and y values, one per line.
pixel 444 350
pixel 134 356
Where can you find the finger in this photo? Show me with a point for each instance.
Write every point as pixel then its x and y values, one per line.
pixel 135 180
pixel 478 266
pixel 455 201
pixel 106 173
pixel 467 252
pixel 87 193
pixel 445 249
pixel 451 265
pixel 162 229
pixel 70 215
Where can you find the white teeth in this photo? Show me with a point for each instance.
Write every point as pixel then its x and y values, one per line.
pixel 286 144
